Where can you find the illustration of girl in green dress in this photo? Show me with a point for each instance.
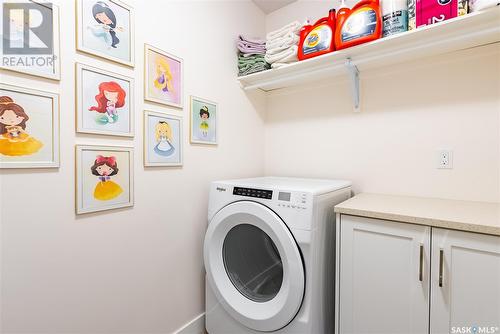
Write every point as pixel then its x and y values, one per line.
pixel 204 115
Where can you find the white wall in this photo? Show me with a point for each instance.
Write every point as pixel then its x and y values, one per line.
pixel 134 270
pixel 409 112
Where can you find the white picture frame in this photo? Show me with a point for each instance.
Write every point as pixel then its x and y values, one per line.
pixel 85 179
pixel 83 92
pixel 172 154
pixel 84 25
pixel 210 134
pixel 34 127
pixel 152 91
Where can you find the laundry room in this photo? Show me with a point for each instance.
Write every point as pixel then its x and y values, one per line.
pixel 250 166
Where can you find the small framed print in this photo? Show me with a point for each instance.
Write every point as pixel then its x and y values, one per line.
pixel 29 128
pixel 42 58
pixel 104 102
pixel 104 178
pixel 163 77
pixel 105 28
pixel 162 139
pixel 203 127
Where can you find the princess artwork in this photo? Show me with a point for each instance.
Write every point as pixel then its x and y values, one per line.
pixel 164 77
pixel 104 168
pixel 163 135
pixel 204 115
pixel 105 28
pixel 14 140
pixel 111 97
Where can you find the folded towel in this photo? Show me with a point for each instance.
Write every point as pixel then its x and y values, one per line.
pixel 284 56
pixel 279 65
pixel 288 39
pixel 291 27
pixel 251 40
pixel 278 49
pixel 253 69
pixel 251 45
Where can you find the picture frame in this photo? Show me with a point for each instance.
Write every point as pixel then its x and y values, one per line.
pixel 163 139
pixel 104 102
pixel 163 77
pixel 104 178
pixel 106 38
pixel 34 141
pixel 53 71
pixel 203 124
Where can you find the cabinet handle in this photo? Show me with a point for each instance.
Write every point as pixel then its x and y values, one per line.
pixel 421 264
pixel 441 263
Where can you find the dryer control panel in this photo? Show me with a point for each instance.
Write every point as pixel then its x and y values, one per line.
pixel 251 192
pixel 293 200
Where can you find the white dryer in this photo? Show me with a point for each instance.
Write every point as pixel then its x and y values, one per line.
pixel 269 255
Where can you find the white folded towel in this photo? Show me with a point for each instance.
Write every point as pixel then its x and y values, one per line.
pixel 290 27
pixel 287 55
pixel 279 65
pixel 287 40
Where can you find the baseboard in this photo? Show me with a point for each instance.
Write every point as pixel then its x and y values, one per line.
pixel 195 326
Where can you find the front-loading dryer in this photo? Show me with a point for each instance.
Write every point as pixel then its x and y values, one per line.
pixel 269 255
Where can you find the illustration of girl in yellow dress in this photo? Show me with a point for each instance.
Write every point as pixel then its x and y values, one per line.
pixel 14 140
pixel 164 78
pixel 104 168
pixel 204 115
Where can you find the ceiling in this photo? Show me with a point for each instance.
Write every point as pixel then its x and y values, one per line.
pixel 268 6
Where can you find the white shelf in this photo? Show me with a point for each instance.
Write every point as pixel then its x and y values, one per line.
pixel 460 33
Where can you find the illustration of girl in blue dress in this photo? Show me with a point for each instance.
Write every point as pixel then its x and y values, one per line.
pixel 163 135
pixel 106 27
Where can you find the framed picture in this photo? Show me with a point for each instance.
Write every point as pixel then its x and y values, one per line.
pixel 163 77
pixel 44 58
pixel 105 28
pixel 162 139
pixel 29 128
pixel 104 102
pixel 203 115
pixel 104 178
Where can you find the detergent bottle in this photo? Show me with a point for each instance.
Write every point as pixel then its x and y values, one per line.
pixel 317 39
pixel 361 24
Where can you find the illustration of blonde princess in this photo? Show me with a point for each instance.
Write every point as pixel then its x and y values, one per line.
pixel 111 97
pixel 163 135
pixel 164 77
pixel 14 140
pixel 104 168
pixel 204 115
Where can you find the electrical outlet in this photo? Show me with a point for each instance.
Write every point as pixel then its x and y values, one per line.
pixel 445 159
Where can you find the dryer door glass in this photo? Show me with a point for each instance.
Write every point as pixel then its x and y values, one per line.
pixel 252 262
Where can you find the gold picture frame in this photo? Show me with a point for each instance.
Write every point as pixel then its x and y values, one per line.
pixel 153 155
pixel 130 61
pixel 209 137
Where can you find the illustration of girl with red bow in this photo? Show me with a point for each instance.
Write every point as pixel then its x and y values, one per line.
pixel 104 168
pixel 111 97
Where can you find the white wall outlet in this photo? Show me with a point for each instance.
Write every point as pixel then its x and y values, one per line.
pixel 445 159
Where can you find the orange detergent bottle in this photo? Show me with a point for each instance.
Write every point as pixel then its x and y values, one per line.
pixel 317 39
pixel 361 24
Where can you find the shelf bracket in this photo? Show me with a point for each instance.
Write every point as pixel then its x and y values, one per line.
pixel 354 73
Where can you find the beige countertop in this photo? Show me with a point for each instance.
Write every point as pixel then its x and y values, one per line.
pixel 480 217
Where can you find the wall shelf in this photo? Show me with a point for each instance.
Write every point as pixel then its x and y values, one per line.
pixel 472 30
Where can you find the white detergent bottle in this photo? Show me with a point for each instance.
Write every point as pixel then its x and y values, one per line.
pixel 394 17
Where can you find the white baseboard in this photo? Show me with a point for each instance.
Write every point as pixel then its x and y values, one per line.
pixel 195 326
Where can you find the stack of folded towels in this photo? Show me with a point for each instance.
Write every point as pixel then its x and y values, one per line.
pixel 251 55
pixel 282 45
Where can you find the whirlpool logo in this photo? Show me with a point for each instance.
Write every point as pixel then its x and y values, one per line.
pixel 475 330
pixel 220 189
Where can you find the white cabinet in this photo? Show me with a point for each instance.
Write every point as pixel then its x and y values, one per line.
pixel 384 276
pixel 405 278
pixel 465 281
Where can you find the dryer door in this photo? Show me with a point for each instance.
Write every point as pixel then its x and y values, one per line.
pixel 254 266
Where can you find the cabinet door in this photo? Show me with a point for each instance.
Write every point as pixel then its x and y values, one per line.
pixel 384 276
pixel 465 281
